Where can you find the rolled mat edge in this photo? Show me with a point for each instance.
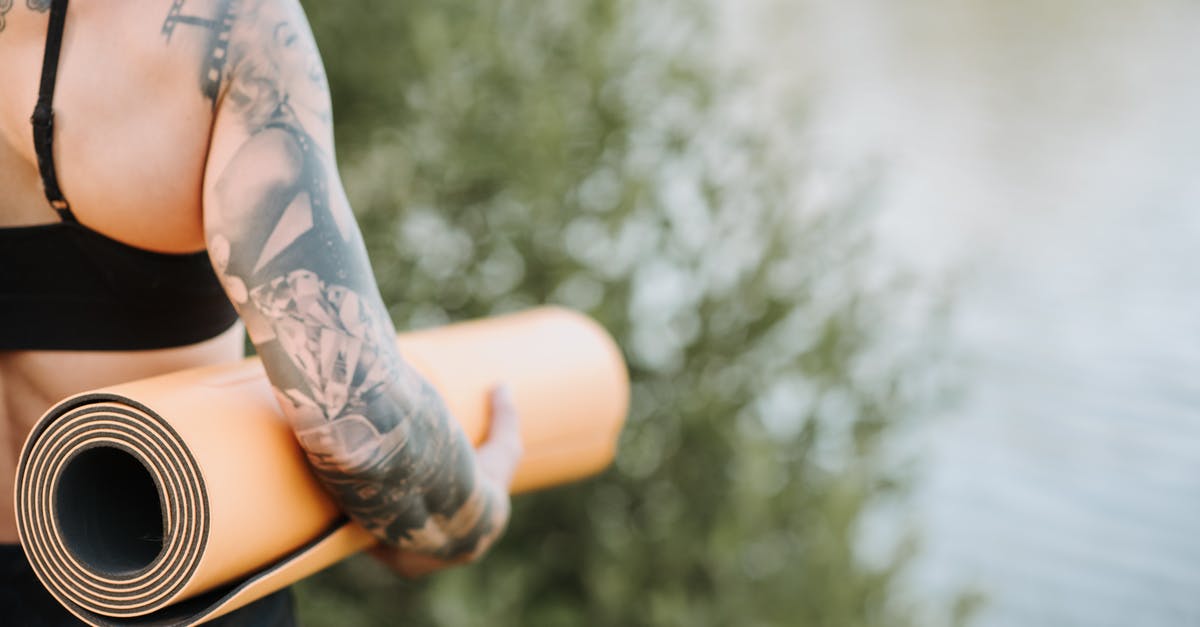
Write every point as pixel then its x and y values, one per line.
pixel 212 447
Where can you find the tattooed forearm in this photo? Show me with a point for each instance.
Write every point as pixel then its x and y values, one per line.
pixel 284 242
pixel 374 432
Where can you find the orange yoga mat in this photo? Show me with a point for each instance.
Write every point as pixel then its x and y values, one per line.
pixel 176 499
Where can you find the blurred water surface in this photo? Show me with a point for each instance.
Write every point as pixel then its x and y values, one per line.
pixel 1040 158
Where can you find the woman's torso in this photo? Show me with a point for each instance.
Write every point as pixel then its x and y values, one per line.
pixel 130 140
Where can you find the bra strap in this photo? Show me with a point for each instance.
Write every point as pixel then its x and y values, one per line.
pixel 43 113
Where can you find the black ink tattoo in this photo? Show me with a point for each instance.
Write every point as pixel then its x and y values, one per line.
pixel 377 435
pixel 41 6
pixel 219 27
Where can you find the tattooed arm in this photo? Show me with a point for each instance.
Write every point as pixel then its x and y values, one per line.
pixel 285 244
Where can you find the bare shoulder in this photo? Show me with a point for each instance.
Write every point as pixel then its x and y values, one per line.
pixel 138 84
pixel 138 89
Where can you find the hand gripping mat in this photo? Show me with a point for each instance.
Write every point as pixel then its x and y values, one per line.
pixel 176 499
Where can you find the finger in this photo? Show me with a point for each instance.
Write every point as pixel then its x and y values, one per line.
pixel 504 430
pixel 499 454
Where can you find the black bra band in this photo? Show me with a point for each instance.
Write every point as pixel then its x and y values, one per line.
pixel 43 113
pixel 64 286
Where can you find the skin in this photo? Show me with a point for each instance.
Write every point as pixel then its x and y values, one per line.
pixel 209 127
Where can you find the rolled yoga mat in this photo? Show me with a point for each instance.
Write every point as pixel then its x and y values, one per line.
pixel 176 499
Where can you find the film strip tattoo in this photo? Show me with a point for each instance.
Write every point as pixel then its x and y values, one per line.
pixel 376 434
pixel 219 26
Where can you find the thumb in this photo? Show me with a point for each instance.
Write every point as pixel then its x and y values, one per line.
pixel 502 450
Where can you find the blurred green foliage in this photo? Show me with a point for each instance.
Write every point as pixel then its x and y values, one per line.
pixel 594 154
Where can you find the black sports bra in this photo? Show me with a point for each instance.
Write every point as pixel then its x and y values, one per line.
pixel 64 286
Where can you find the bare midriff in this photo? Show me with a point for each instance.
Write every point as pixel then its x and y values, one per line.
pixel 33 381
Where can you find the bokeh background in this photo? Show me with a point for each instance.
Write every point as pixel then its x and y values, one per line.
pixel 904 290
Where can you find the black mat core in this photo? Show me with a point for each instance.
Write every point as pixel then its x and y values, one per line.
pixel 109 513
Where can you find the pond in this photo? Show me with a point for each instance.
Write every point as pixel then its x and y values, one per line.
pixel 1041 161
